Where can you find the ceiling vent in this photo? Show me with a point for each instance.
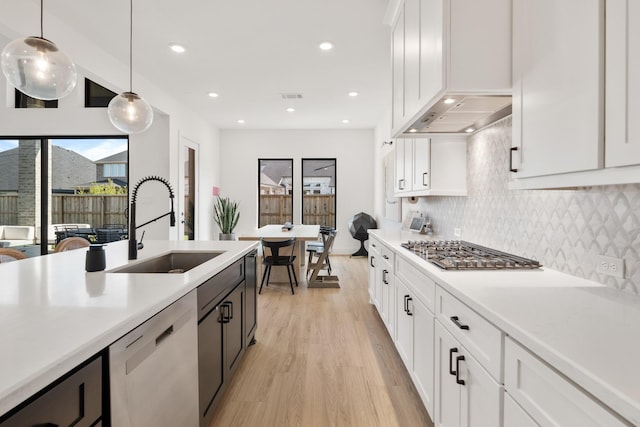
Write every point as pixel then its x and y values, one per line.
pixel 291 95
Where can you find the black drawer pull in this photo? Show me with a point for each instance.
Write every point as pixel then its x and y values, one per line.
pixel 385 273
pixel 409 313
pixel 451 351
pixel 456 322
pixel 511 169
pixel 371 261
pixel 458 380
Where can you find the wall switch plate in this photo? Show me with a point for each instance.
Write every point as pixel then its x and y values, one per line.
pixel 456 232
pixel 609 265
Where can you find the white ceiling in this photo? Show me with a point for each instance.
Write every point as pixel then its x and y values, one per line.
pixel 251 51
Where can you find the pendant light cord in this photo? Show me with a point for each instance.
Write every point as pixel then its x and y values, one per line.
pixel 41 19
pixel 130 46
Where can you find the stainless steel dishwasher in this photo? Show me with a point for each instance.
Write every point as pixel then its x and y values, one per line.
pixel 154 370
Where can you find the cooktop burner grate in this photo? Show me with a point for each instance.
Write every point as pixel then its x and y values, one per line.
pixel 461 255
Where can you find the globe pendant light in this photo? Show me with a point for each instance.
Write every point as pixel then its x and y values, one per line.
pixel 129 112
pixel 36 67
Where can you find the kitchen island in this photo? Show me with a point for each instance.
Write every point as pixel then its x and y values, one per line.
pixel 55 316
pixel 546 340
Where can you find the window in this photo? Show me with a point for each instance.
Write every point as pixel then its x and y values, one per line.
pixel 112 170
pixel 319 192
pixel 25 101
pixel 275 189
pixel 50 185
pixel 96 95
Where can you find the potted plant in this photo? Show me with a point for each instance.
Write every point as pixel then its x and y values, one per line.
pixel 226 215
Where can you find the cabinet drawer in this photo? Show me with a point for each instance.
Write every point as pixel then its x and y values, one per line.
pixel 374 245
pixel 388 255
pixel 423 286
pixel 77 401
pixel 549 397
pixel 514 415
pixel 480 337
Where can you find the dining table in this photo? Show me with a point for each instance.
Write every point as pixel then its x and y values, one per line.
pixel 303 233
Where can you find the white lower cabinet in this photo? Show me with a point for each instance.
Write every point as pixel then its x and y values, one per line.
pixel 549 398
pixel 515 416
pixel 465 394
pixel 414 340
pixel 374 260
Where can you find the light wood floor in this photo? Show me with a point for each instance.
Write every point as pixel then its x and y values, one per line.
pixel 322 358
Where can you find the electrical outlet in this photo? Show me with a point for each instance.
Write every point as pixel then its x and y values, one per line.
pixel 609 265
pixel 456 232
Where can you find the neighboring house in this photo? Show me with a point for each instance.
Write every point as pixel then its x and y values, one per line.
pixel 68 169
pixel 113 167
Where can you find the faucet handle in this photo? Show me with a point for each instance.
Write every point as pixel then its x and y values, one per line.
pixel 140 244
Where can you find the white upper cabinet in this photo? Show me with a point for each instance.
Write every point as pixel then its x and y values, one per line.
pixel 448 47
pixel 623 83
pixel 435 166
pixel 558 86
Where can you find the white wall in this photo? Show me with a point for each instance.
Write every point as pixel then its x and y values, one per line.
pixel 354 153
pixel 155 152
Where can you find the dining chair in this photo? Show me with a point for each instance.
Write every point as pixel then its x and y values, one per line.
pixel 276 258
pixel 319 263
pixel 8 255
pixel 315 248
pixel 71 243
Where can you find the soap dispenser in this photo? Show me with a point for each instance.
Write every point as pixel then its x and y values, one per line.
pixel 95 260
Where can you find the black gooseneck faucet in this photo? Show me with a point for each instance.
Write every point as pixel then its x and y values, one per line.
pixel 133 243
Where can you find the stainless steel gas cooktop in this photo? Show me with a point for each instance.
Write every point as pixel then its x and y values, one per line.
pixel 461 255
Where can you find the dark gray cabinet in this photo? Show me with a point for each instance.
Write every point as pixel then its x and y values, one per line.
pixel 74 400
pixel 227 307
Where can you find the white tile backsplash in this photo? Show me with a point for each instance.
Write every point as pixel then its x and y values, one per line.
pixel 563 229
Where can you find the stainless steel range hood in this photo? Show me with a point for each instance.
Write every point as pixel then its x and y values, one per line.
pixel 461 114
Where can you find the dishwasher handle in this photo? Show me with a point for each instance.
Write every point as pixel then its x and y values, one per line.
pixel 164 335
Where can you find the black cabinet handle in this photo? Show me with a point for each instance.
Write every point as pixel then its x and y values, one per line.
pixel 424 175
pixel 451 351
pixel 385 257
pixel 374 245
pixel 385 273
pixel 224 313
pixel 231 309
pixel 456 322
pixel 458 380
pixel 371 261
pixel 511 169
pixel 408 309
pixel 406 304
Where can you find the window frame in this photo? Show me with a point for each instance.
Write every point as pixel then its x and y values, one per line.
pixel 335 193
pixel 291 162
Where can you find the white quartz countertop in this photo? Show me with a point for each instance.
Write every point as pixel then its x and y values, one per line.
pixel 587 331
pixel 54 315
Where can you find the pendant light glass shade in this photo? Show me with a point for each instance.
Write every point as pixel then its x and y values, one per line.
pixel 130 113
pixel 35 66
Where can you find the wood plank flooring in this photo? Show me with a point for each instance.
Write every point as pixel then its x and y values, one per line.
pixel 323 358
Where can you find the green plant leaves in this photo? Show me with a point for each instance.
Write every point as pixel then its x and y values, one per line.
pixel 226 214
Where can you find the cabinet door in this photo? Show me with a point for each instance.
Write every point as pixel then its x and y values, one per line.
pixel 387 302
pixel 481 395
pixel 397 71
pixel 447 394
pixel 558 86
pixel 421 164
pixel 251 297
pixel 411 57
pixel 622 138
pixel 423 352
pixel 210 361
pixel 373 260
pixel 431 51
pixel 404 325
pixel 515 416
pixel 233 331
pixel 402 151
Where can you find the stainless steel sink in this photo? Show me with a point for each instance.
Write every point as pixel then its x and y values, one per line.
pixel 173 262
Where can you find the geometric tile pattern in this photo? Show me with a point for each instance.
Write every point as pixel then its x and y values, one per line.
pixel 563 229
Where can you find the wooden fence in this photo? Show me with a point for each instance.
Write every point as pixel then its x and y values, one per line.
pixel 317 209
pixel 96 210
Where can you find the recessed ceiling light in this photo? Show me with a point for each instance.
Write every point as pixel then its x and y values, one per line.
pixel 413 130
pixel 469 130
pixel 449 101
pixel 214 94
pixel 326 45
pixel 177 48
pixel 240 121
pixel 353 94
pixel 290 110
pixel 345 121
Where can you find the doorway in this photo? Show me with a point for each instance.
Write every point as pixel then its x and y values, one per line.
pixel 189 162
